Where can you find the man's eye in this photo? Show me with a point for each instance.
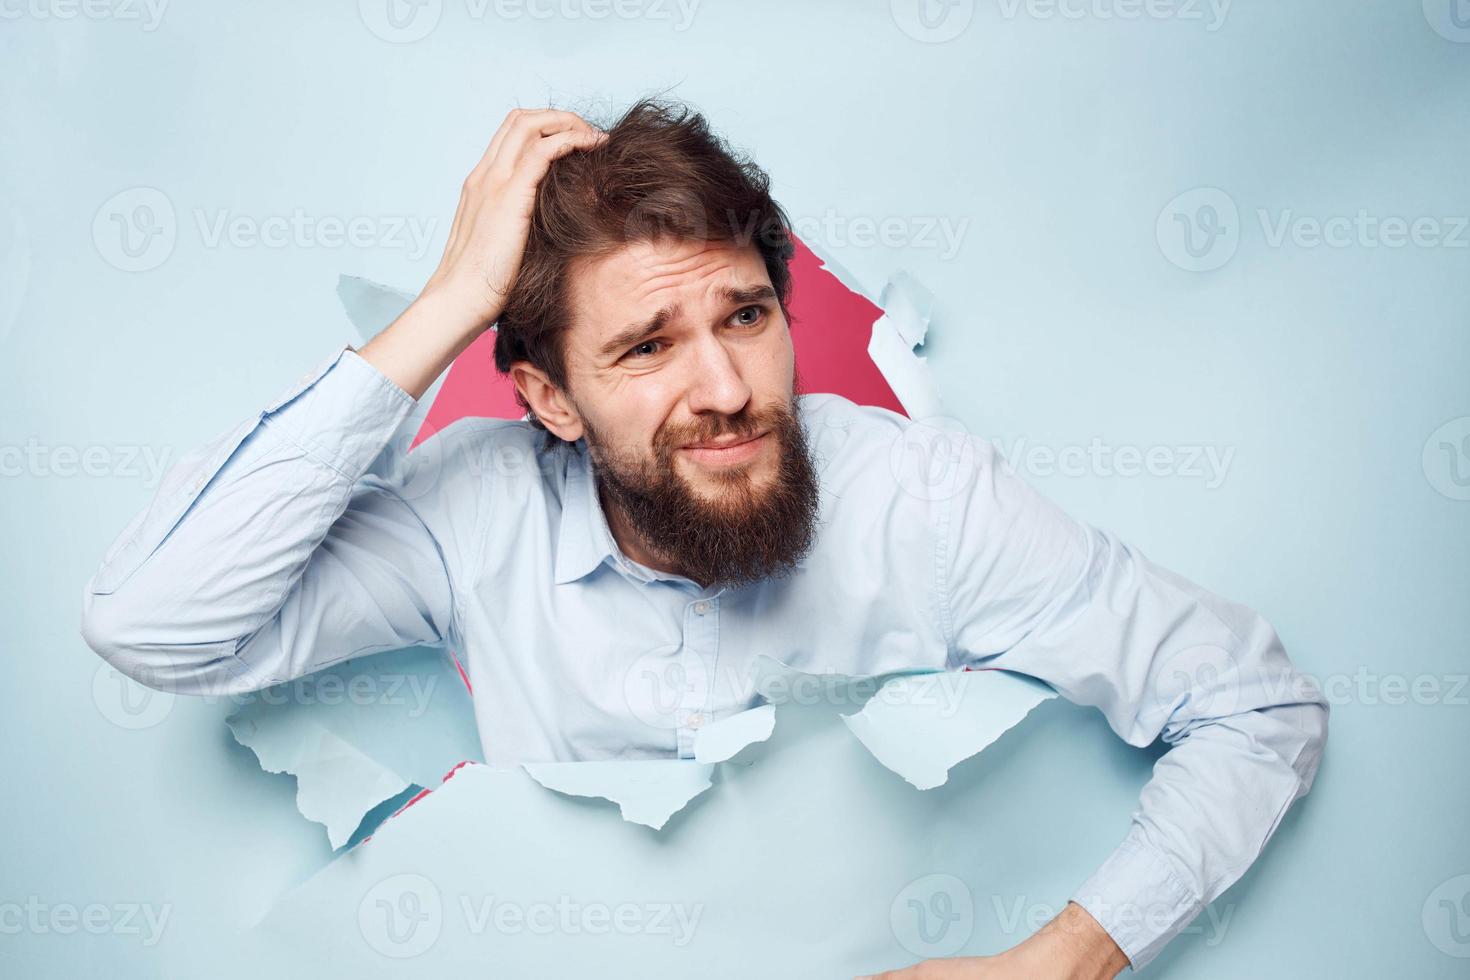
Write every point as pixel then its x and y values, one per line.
pixel 645 349
pixel 749 316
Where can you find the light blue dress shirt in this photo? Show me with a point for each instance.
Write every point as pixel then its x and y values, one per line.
pixel 305 536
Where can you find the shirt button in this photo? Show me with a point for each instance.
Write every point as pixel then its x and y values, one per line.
pixel 701 607
pixel 696 720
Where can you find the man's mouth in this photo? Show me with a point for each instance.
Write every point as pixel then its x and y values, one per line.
pixel 727 450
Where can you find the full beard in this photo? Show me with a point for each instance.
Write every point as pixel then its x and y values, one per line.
pixel 741 534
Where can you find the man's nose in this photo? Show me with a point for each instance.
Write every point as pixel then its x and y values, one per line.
pixel 717 384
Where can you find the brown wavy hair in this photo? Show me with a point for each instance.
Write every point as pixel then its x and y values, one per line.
pixel 661 172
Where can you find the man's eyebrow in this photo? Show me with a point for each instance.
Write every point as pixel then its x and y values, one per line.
pixel 636 333
pixel 749 294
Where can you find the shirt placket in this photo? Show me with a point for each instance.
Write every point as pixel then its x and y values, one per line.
pixel 701 643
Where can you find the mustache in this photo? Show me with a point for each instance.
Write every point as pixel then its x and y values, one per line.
pixel 742 424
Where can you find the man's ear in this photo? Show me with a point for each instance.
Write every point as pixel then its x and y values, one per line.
pixel 550 403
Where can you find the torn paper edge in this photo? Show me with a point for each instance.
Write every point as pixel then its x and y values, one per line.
pixel 650 791
pixel 647 791
pixel 918 722
pixel 904 325
pixel 923 726
pixel 726 738
pixel 336 784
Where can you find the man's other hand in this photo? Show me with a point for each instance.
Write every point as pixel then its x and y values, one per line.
pixel 1070 947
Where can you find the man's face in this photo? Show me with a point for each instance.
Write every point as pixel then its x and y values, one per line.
pixel 681 368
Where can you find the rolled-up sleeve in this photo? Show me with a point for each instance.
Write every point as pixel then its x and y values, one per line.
pixel 1030 589
pixel 287 544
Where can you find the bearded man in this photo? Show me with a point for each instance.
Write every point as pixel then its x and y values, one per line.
pixel 672 506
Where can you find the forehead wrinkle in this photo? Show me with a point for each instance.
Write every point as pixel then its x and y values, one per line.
pixel 703 265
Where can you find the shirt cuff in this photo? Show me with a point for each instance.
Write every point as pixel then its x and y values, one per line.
pixel 1138 899
pixel 342 412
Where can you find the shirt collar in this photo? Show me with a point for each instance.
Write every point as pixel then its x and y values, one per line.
pixel 584 540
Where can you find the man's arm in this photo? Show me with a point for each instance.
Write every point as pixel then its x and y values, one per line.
pixel 283 546
pixel 1030 589
pixel 293 541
